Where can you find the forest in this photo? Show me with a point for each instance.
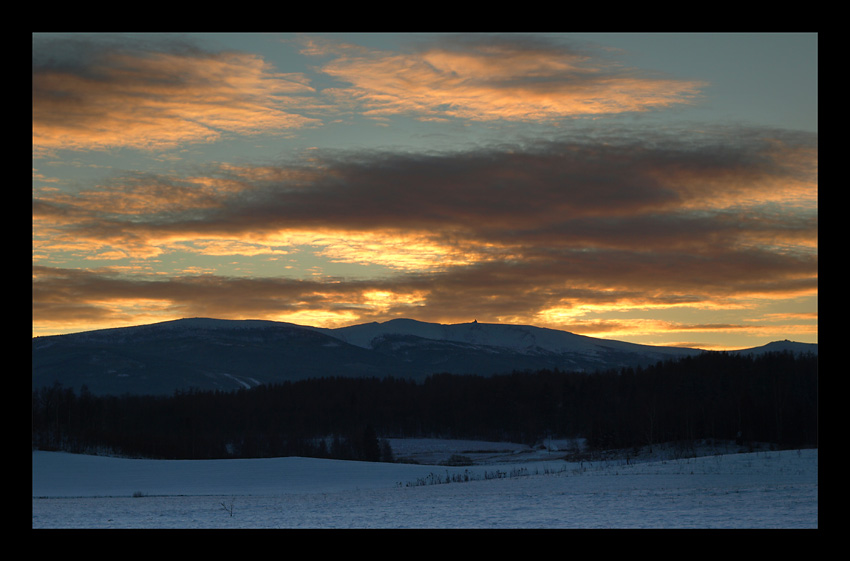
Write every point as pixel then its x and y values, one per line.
pixel 770 398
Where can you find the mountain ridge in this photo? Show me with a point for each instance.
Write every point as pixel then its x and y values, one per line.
pixel 221 354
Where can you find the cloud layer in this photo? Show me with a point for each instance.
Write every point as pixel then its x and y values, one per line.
pixel 121 94
pixel 596 230
pixel 519 234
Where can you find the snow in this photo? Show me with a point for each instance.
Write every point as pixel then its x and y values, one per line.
pixel 527 339
pixel 511 486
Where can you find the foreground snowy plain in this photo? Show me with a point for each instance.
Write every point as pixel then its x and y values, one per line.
pixel 511 486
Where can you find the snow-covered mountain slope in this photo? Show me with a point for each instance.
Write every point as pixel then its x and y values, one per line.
pixel 214 354
pixel 197 353
pixel 487 348
pixel 525 339
pixel 180 328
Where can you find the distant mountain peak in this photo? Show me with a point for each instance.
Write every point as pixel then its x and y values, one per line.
pixel 780 346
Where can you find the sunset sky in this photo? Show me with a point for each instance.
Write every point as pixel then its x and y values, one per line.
pixel 653 188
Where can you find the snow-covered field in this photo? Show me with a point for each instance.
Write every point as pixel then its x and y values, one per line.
pixel 510 486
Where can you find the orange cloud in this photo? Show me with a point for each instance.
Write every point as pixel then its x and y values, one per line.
pixel 485 79
pixel 156 100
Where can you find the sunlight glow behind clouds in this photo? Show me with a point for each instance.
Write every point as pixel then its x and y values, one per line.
pixel 611 226
pixel 560 230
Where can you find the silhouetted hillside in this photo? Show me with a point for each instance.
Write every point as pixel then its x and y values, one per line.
pixel 767 398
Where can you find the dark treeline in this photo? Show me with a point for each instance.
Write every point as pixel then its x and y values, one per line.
pixel 770 398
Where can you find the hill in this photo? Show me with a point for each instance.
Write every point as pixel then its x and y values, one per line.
pixel 749 490
pixel 214 354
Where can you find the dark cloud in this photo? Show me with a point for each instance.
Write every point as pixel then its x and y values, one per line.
pixel 675 221
pixel 561 194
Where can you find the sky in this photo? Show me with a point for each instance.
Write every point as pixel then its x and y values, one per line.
pixel 654 188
